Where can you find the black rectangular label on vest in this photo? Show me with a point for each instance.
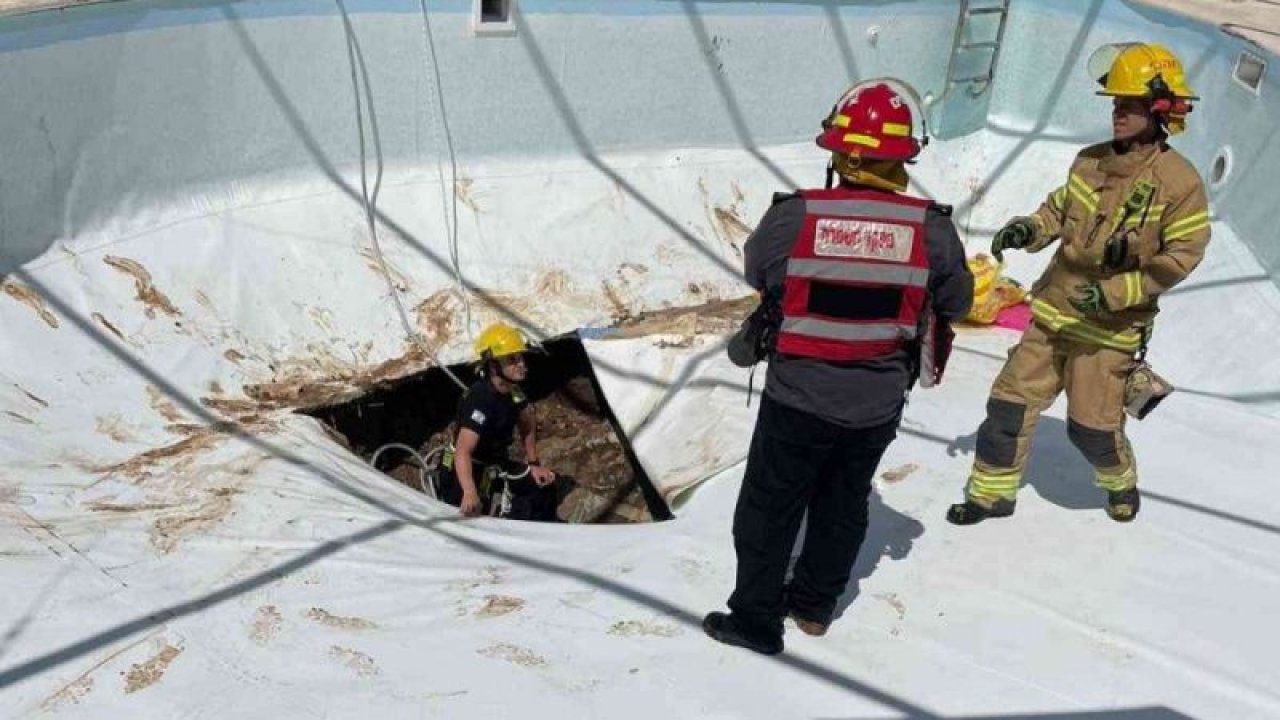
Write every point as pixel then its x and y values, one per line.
pixel 848 302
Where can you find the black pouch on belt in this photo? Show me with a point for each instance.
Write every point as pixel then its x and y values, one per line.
pixel 757 337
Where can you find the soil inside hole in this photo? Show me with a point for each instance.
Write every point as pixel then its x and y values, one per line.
pixel 578 436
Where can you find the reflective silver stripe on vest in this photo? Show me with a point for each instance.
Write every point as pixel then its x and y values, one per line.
pixel 847 331
pixel 859 272
pixel 866 209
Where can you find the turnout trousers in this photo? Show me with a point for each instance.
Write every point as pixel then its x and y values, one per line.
pixel 1040 367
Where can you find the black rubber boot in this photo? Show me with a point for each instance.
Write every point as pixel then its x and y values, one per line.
pixel 1122 506
pixel 971 513
pixel 724 628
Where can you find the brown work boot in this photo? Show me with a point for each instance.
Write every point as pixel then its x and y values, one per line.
pixel 809 627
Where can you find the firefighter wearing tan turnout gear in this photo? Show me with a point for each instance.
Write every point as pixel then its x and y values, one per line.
pixel 1133 221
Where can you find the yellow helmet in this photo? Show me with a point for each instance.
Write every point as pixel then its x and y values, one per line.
pixel 1145 70
pixel 498 340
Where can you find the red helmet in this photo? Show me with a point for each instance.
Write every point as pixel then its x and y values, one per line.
pixel 872 120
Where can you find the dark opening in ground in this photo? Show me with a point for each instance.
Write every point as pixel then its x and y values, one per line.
pixel 578 436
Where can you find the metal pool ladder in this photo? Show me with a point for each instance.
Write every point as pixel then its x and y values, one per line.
pixel 976 15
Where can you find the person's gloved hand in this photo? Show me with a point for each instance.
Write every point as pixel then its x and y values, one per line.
pixel 1015 235
pixel 1088 298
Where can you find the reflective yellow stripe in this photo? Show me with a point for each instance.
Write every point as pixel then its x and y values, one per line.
pixel 993 486
pixel 1082 192
pixel 1132 288
pixel 1079 182
pixel 896 129
pixel 1083 331
pixel 1153 215
pixel 1187 226
pixel 1117 481
pixel 1203 215
pixel 842 121
pixel 1121 477
pixel 1181 234
pixel 859 139
pixel 1084 200
pixel 1056 199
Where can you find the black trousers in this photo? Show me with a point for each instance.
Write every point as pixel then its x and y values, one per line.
pixel 798 464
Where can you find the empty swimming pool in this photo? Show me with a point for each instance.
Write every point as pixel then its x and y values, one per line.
pixel 213 213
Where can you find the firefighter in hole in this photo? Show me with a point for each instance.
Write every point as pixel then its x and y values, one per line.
pixel 477 473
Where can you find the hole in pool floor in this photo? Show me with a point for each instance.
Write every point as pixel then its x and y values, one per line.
pixel 578 435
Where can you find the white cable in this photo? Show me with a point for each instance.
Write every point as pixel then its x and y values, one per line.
pixel 523 474
pixel 371 202
pixel 451 217
pixel 422 464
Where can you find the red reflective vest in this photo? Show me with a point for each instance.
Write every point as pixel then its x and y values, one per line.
pixel 857 279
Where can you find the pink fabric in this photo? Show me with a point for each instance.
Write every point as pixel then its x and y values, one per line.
pixel 1017 317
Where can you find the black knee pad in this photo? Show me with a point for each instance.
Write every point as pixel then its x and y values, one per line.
pixel 1100 447
pixel 998 435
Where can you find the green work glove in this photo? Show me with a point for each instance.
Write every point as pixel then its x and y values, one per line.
pixel 1015 235
pixel 1088 299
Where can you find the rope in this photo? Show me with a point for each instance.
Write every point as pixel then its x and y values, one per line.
pixel 354 56
pixel 451 218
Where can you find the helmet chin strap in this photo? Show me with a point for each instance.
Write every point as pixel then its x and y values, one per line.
pixel 877 174
pixel 492 365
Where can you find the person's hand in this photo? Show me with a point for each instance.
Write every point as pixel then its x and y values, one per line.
pixel 470 506
pixel 1015 235
pixel 542 477
pixel 1088 299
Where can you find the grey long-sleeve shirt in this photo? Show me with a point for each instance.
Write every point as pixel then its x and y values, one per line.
pixel 868 393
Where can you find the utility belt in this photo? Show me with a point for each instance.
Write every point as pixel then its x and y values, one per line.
pixel 493 480
pixel 1143 388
